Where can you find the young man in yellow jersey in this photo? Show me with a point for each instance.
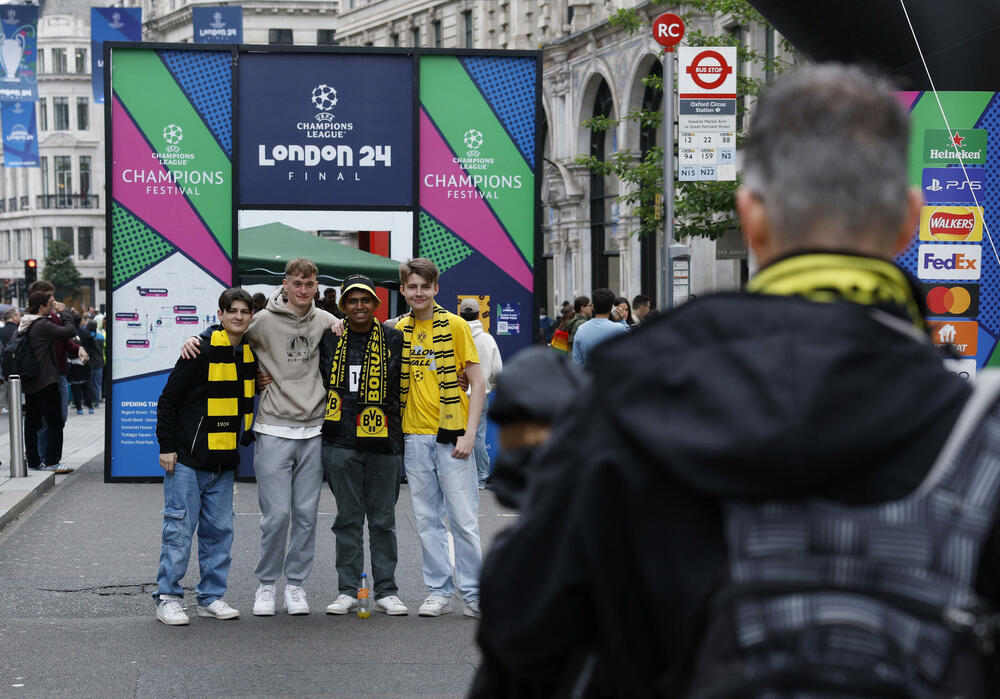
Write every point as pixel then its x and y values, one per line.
pixel 439 428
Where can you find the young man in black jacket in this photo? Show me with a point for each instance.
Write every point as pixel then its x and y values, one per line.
pixel 206 402
pixel 819 389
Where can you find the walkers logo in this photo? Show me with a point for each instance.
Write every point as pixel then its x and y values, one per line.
pixel 951 223
pixel 964 145
pixel 952 300
pixel 952 185
pixel 961 335
pixel 960 262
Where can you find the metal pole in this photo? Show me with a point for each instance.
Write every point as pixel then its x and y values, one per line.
pixel 18 469
pixel 666 256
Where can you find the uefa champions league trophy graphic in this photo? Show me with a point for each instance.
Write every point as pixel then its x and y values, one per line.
pixel 12 50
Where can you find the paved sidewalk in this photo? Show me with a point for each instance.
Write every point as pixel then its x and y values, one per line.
pixel 83 439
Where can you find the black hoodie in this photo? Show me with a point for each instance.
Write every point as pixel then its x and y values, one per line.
pixel 605 579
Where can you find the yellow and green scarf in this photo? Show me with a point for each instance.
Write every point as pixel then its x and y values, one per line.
pixel 829 277
pixel 231 388
pixel 451 424
pixel 372 431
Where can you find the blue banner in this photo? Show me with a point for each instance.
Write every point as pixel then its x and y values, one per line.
pixel 337 129
pixel 18 54
pixel 20 141
pixel 110 24
pixel 952 185
pixel 217 25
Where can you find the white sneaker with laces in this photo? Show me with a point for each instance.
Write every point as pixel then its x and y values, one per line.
pixel 295 600
pixel 391 605
pixel 343 605
pixel 218 609
pixel 472 609
pixel 435 605
pixel 170 611
pixel 263 601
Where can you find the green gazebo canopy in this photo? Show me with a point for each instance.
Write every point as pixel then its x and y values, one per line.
pixel 264 251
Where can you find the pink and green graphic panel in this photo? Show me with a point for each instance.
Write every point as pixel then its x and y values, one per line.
pixel 952 256
pixel 477 126
pixel 171 228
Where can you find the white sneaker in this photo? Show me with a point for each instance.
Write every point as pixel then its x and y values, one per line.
pixel 391 605
pixel 435 605
pixel 263 601
pixel 170 611
pixel 295 600
pixel 472 609
pixel 343 605
pixel 218 610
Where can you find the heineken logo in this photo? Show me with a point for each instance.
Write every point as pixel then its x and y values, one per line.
pixel 960 145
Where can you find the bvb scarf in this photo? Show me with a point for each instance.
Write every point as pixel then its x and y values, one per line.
pixel 450 423
pixel 828 277
pixel 372 420
pixel 231 390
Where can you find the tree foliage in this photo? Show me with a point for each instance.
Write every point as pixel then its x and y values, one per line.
pixel 702 209
pixel 60 268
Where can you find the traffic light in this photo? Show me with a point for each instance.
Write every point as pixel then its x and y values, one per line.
pixel 30 271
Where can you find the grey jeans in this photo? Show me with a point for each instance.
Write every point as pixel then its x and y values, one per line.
pixel 289 477
pixel 364 484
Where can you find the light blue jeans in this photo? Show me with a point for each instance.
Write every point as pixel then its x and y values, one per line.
pixel 480 452
pixel 201 500
pixel 442 486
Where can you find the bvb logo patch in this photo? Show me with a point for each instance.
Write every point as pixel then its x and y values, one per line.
pixel 372 423
pixel 333 406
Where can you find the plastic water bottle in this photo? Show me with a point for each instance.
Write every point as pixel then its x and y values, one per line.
pixel 364 598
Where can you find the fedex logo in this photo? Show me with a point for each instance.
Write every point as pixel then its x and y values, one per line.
pixel 949 261
pixel 949 185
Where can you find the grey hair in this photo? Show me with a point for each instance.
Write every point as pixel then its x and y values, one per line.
pixel 826 153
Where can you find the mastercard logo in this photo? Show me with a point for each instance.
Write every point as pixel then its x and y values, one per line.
pixel 952 300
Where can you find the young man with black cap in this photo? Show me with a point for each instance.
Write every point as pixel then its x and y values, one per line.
pixel 363 445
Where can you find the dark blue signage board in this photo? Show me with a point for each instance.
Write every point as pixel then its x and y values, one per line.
pixel 20 138
pixel 217 25
pixel 326 130
pixel 18 53
pixel 110 24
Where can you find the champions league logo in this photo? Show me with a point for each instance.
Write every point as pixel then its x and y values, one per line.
pixel 173 135
pixel 116 21
pixel 217 22
pixel 324 98
pixel 473 142
pixel 11 17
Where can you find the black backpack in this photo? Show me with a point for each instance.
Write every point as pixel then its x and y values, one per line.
pixel 18 358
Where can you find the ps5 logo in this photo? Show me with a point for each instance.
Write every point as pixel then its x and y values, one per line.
pixel 950 185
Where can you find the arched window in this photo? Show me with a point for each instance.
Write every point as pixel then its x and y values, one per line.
pixel 603 209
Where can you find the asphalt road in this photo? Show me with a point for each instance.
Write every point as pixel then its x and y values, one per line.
pixel 77 570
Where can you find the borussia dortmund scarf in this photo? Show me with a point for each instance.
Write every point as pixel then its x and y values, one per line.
pixel 230 393
pixel 829 277
pixel 450 423
pixel 372 430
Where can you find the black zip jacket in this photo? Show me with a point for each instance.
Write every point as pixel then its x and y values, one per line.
pixel 180 416
pixel 603 583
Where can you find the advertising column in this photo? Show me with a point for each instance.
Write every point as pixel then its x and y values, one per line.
pixel 171 229
pixel 477 186
pixel 953 254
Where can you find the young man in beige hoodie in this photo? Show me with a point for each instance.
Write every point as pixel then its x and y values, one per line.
pixel 288 458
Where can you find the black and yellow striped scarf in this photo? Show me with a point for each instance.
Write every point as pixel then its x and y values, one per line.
pixel 829 277
pixel 372 420
pixel 231 390
pixel 451 425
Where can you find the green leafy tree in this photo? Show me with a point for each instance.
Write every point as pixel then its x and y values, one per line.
pixel 702 209
pixel 60 269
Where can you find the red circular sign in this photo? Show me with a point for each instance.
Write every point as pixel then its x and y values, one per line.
pixel 709 76
pixel 668 29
